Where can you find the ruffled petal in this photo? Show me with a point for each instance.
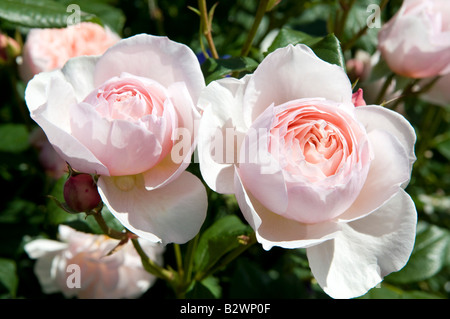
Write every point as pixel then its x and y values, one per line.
pixel 375 117
pixel 274 230
pixel 221 132
pixel 366 250
pixel 123 147
pixel 170 214
pixel 79 72
pixel 49 97
pixel 154 57
pixel 388 171
pixel 291 73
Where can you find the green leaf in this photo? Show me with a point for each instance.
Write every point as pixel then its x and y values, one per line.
pixel 219 239
pixel 443 144
pixel 13 138
pixel 208 288
pixel 39 13
pixel 111 16
pixel 390 292
pixel 249 279
pixel 327 48
pixel 288 36
pixel 8 275
pixel 214 69
pixel 428 257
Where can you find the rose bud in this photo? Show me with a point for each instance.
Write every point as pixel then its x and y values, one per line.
pixel 80 193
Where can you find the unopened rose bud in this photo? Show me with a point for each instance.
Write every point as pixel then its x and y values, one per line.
pixel 9 48
pixel 80 193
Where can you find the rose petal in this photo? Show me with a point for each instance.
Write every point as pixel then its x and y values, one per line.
pixel 274 230
pixel 79 72
pixel 40 247
pixel 157 58
pixel 123 147
pixel 221 132
pixel 375 117
pixel 170 214
pixel 366 250
pixel 292 73
pixel 259 171
pixel 183 137
pixel 48 97
pixel 388 171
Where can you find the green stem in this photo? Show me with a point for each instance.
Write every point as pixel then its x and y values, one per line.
pixel 407 91
pixel 179 260
pixel 341 25
pixel 349 44
pixel 150 265
pixel 189 258
pixel 262 7
pixel 206 27
pixel 105 228
pixel 384 89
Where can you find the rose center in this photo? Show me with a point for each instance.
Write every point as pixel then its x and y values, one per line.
pixel 128 98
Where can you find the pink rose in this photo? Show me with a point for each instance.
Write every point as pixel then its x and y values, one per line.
pixel 416 41
pixel 79 266
pixel 311 170
pixel 48 49
pixel 130 117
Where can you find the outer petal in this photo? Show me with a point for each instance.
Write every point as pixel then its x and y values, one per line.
pixel 221 131
pixel 184 139
pixel 260 173
pixel 40 247
pixel 47 252
pixel 291 73
pixel 49 97
pixel 157 58
pixel 388 171
pixel 375 117
pixel 170 214
pixel 274 230
pixel 79 73
pixel 366 250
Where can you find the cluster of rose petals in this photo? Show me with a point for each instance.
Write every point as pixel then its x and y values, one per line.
pixel 101 276
pixel 416 41
pixel 310 169
pixel 130 116
pixel 49 49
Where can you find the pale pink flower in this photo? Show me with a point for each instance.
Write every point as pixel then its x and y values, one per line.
pixel 416 41
pixel 130 117
pixel 48 49
pixel 311 170
pixel 79 266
